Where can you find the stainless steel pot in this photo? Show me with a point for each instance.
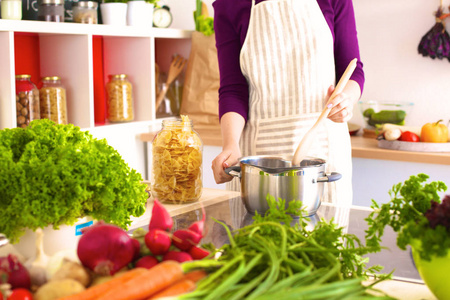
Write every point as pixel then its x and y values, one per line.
pixel 270 175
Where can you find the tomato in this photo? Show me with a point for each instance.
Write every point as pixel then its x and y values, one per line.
pixel 1 295
pixel 408 136
pixel 21 294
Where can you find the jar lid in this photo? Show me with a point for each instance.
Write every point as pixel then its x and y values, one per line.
pixel 57 2
pixel 119 76
pixel 47 78
pixel 86 4
pixel 22 76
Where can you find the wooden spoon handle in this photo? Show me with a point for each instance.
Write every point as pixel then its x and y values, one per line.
pixel 305 143
pixel 160 96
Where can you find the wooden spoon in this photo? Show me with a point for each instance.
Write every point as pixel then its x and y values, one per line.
pixel 175 69
pixel 308 138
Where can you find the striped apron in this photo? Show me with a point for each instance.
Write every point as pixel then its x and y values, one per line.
pixel 288 61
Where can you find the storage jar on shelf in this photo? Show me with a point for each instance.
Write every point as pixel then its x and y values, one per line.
pixel 120 99
pixel 53 101
pixel 51 10
pixel 11 9
pixel 85 12
pixel 27 100
pixel 177 162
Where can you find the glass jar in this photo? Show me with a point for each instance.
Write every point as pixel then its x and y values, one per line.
pixel 51 10
pixel 27 100
pixel 11 9
pixel 177 162
pixel 53 102
pixel 120 98
pixel 85 12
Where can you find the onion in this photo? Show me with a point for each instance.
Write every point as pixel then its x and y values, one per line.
pixel 17 275
pixel 105 249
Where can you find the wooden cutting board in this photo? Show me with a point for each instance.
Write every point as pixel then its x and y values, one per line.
pixel 414 147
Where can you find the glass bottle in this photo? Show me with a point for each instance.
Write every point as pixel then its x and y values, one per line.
pixel 120 99
pixel 27 100
pixel 53 101
pixel 177 162
pixel 51 10
pixel 11 9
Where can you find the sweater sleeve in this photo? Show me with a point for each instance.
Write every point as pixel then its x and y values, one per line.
pixel 233 91
pixel 346 45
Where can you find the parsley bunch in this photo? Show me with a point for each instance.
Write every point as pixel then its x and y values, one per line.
pixel 411 202
pixel 55 174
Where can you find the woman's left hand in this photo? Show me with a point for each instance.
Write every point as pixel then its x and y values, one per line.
pixel 342 106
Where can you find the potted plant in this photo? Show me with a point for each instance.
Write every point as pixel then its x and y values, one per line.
pixel 422 222
pixel 114 12
pixel 54 175
pixel 140 12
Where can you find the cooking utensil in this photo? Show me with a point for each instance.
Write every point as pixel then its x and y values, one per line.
pixel 308 138
pixel 175 69
pixel 271 175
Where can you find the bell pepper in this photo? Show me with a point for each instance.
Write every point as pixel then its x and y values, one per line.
pixel 434 133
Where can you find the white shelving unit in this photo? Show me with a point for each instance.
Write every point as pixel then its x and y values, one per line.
pixel 66 50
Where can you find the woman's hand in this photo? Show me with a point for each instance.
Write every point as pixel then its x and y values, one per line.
pixel 228 157
pixel 342 104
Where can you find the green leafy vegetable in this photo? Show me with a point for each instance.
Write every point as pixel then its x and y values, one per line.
pixel 270 259
pixel 406 214
pixel 203 24
pixel 54 174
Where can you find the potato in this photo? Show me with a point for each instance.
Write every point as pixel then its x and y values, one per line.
pixel 72 270
pixel 56 289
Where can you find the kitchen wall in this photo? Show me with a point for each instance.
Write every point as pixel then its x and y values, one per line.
pixel 389 33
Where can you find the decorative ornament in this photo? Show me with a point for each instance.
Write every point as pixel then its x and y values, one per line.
pixel 436 42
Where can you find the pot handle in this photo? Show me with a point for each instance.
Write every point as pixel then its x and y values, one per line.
pixel 234 171
pixel 329 178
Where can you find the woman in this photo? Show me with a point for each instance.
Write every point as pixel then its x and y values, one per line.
pixel 278 61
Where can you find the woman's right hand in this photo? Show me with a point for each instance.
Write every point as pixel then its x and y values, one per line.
pixel 228 157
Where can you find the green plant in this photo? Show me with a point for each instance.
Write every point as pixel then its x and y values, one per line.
pixel 154 2
pixel 55 174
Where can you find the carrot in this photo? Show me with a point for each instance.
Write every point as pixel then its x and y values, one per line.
pixel 180 287
pixel 184 285
pixel 195 275
pixel 100 289
pixel 148 283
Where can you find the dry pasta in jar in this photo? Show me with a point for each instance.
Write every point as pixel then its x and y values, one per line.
pixel 177 162
pixel 120 99
pixel 53 102
pixel 27 100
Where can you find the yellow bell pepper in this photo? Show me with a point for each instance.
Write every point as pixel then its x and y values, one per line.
pixel 434 133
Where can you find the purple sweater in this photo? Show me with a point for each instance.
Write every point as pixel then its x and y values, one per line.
pixel 231 19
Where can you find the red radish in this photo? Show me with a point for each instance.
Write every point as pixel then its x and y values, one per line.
pixel 161 218
pixel 137 248
pixel 178 256
pixel 14 273
pixel 147 262
pixel 184 239
pixel 198 253
pixel 199 226
pixel 105 249
pixel 158 241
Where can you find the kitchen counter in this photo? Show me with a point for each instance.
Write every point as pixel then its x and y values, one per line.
pixel 227 207
pixel 362 147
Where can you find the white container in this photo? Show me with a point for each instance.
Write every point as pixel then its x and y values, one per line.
pixel 114 13
pixel 11 9
pixel 65 238
pixel 140 13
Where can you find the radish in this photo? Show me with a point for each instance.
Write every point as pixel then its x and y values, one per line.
pixel 158 241
pixel 13 272
pixel 161 218
pixel 185 239
pixel 147 262
pixel 198 253
pixel 199 226
pixel 105 249
pixel 178 256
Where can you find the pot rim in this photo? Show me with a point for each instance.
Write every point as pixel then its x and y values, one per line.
pixel 318 162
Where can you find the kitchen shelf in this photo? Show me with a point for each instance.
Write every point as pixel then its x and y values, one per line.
pixel 67 50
